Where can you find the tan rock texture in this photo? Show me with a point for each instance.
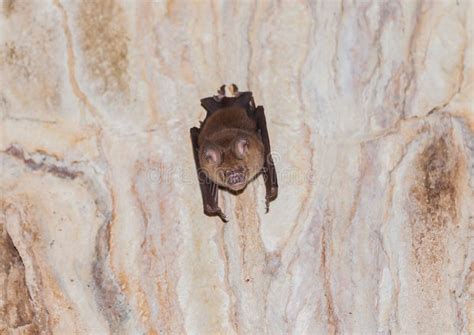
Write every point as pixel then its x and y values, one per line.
pixel 370 108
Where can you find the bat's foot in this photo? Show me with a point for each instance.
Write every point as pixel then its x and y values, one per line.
pixel 227 91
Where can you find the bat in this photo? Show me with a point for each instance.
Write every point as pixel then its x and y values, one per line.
pixel 231 148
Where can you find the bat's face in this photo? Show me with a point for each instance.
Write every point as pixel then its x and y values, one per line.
pixel 234 162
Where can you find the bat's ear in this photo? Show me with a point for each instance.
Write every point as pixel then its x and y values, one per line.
pixel 212 154
pixel 241 146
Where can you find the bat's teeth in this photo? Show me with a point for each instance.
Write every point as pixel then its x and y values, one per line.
pixel 235 178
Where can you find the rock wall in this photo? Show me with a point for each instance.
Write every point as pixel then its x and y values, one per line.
pixel 370 113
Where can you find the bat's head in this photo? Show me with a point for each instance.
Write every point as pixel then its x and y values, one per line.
pixel 232 162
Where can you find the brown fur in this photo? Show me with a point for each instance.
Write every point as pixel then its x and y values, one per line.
pixel 220 131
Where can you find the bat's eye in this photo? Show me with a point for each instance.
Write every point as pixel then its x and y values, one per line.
pixel 213 155
pixel 241 147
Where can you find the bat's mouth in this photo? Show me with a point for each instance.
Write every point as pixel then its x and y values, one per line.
pixel 236 180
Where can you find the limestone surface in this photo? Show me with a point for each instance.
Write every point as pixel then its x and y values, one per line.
pixel 369 106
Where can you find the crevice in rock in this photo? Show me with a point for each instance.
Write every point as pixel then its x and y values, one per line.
pixel 16 305
pixel 40 161
pixel 109 295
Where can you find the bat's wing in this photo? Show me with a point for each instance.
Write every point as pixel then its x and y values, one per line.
pixel 209 189
pixel 268 171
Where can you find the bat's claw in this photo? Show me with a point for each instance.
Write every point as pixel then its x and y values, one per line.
pixel 270 197
pixel 216 211
pixel 222 216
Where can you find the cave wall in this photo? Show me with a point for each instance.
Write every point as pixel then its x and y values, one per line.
pixel 370 112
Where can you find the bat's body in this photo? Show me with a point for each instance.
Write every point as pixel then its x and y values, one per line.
pixel 232 147
pixel 230 150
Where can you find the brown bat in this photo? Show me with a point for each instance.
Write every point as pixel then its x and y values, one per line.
pixel 231 148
